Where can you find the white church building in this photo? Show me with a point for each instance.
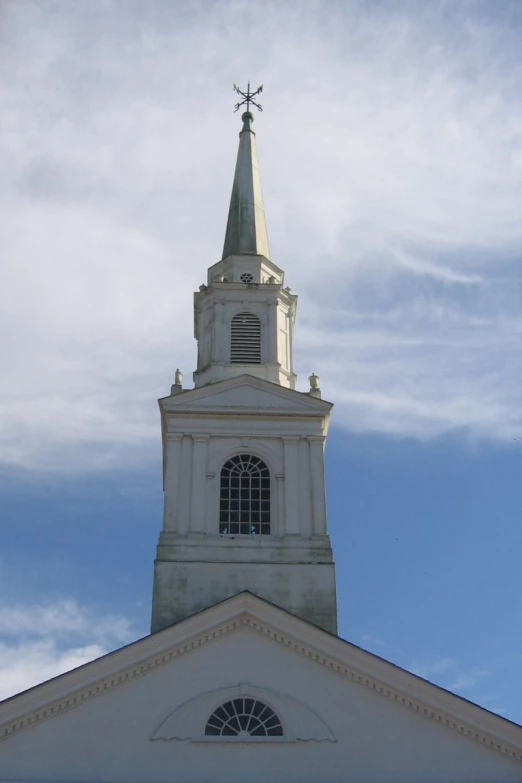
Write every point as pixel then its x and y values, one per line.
pixel 243 677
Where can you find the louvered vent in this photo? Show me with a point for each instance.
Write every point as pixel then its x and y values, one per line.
pixel 245 345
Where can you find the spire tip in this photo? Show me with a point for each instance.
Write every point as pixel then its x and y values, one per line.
pixel 247 118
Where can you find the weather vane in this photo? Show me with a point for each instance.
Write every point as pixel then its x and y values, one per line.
pixel 248 97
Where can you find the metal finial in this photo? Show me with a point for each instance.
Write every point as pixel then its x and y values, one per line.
pixel 248 98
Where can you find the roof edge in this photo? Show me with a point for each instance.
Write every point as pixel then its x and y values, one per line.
pixel 246 610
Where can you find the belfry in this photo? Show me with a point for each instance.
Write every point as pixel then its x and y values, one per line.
pixel 243 450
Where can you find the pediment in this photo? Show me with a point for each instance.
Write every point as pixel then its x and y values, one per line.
pixel 245 392
pixel 256 624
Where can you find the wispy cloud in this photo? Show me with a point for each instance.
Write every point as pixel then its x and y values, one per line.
pixel 62 619
pixel 381 646
pixel 391 158
pixel 442 670
pixel 38 642
pixel 466 680
pixel 436 271
pixel 435 667
pixel 24 665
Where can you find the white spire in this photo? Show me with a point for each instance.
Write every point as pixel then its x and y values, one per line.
pixel 246 226
pixel 244 316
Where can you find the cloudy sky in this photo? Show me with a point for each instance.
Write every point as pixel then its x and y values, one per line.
pixel 391 160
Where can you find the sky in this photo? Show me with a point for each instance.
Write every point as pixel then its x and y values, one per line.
pixel 390 149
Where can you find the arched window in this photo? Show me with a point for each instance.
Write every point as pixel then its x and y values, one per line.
pixel 245 339
pixel 244 496
pixel 244 716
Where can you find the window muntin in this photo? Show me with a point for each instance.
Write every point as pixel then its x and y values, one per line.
pixel 246 277
pixel 244 716
pixel 245 339
pixel 244 501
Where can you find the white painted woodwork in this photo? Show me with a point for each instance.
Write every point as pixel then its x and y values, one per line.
pixel 138 715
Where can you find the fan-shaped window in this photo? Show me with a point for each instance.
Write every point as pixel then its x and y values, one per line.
pixel 244 717
pixel 245 339
pixel 244 496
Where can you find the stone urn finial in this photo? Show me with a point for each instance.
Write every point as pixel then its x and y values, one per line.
pixel 178 380
pixel 315 391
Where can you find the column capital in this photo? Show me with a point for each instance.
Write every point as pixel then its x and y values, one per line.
pixel 316 439
pixel 290 440
pixel 174 437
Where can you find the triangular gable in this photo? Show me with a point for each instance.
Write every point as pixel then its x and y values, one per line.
pixel 245 392
pixel 245 611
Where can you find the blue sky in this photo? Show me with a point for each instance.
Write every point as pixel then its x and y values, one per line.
pixel 391 161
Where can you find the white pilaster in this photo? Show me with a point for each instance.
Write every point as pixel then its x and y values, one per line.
pixel 185 486
pixel 280 500
pixel 317 483
pixel 199 484
pixel 291 486
pixel 172 480
pixel 272 332
pixel 304 494
pixel 212 507
pixel 219 353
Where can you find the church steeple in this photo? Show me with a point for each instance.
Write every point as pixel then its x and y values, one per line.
pixel 243 452
pixel 246 226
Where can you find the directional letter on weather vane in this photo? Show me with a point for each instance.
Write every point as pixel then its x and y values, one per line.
pixel 248 97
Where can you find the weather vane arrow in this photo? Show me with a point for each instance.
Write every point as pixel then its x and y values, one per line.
pixel 248 98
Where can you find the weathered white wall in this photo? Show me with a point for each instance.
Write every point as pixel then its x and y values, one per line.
pixel 108 738
pixel 182 588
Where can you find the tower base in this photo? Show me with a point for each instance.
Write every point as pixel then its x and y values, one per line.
pixel 183 588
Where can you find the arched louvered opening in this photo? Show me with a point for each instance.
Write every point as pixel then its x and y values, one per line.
pixel 245 339
pixel 244 507
pixel 244 717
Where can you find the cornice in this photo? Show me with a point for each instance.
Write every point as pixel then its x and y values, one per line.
pixel 244 412
pixel 171 403
pixel 250 256
pixel 450 715
pixel 385 690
